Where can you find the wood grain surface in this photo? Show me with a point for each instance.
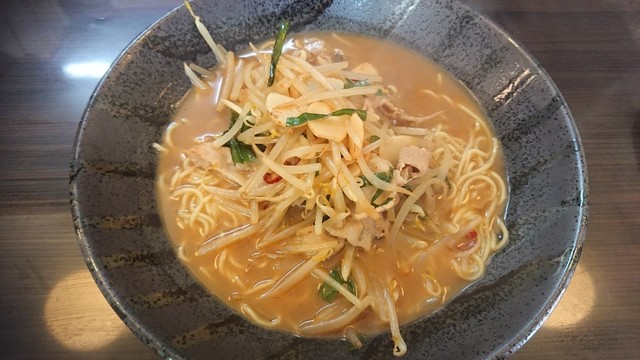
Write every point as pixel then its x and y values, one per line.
pixel 53 52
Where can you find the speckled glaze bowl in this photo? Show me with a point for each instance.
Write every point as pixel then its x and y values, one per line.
pixel 127 250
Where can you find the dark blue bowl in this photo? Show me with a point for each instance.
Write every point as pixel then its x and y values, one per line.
pixel 127 250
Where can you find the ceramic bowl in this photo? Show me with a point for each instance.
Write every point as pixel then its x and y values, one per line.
pixel 128 252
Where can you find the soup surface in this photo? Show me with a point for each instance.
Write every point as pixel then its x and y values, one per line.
pixel 269 245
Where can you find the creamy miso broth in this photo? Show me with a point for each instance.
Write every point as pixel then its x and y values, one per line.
pixel 407 202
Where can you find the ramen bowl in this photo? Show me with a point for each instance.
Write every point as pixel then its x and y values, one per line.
pixel 128 252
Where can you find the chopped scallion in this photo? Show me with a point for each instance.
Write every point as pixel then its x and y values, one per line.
pixel 240 152
pixel 376 196
pixel 304 117
pixel 351 84
pixel 283 27
pixel 328 293
pixel 384 176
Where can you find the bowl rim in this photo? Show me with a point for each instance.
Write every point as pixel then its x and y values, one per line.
pixel 124 313
pixel 580 234
pixel 526 333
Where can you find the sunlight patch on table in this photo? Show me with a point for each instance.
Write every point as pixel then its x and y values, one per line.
pixel 576 303
pixel 79 317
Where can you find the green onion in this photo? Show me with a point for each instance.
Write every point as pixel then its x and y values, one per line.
pixel 376 196
pixel 283 27
pixel 328 293
pixel 240 152
pixel 373 139
pixel 304 117
pixel 351 84
pixel 384 176
pixel 362 114
pixel 246 125
pixel 365 182
pixel 379 92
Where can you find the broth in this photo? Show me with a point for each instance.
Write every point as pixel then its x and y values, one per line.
pixel 241 273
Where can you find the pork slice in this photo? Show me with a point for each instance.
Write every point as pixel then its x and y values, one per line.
pixel 398 115
pixel 361 233
pixel 374 229
pixel 350 230
pixel 206 156
pixel 413 162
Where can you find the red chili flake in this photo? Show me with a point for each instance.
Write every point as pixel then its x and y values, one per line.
pixel 469 243
pixel 271 178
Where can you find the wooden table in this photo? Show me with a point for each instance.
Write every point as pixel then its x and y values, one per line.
pixel 53 52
